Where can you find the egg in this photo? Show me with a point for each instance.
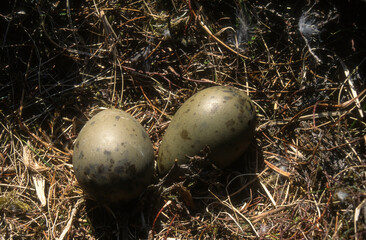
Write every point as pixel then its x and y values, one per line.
pixel 220 118
pixel 113 157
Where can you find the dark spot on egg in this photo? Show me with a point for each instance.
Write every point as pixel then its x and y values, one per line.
pixel 92 123
pixel 111 161
pixel 97 149
pixel 81 155
pixel 130 168
pixel 100 168
pixel 192 146
pixel 230 123
pixel 107 153
pixel 242 101
pixel 184 135
pixel 143 134
pixel 187 111
pixel 232 129
pixel 118 170
pixel 114 125
pixel 228 97
pixel 77 145
pixel 117 118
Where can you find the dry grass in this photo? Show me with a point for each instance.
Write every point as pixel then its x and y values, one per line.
pixel 303 176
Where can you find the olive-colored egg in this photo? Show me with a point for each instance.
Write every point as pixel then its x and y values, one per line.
pixel 113 157
pixel 222 118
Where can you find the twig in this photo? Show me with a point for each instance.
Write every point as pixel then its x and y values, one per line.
pixel 237 211
pixel 72 215
pixel 232 50
pixel 286 174
pixel 356 217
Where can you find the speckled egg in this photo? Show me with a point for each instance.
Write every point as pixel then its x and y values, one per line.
pixel 222 118
pixel 113 157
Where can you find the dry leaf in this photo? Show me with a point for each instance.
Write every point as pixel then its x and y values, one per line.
pixel 30 163
pixel 39 184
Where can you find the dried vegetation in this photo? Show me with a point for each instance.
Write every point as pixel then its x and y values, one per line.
pixel 303 65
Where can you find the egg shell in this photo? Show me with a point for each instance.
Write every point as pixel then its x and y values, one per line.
pixel 113 157
pixel 222 118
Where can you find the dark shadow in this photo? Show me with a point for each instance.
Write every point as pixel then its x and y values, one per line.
pixel 119 221
pixel 242 176
pixel 195 184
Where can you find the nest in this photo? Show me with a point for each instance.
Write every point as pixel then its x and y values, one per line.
pixel 302 64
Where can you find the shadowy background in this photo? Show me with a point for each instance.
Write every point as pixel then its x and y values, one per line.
pixel 302 63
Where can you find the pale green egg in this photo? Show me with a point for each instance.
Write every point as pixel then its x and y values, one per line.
pixel 113 157
pixel 221 118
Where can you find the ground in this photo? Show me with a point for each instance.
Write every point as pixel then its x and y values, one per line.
pixel 303 65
